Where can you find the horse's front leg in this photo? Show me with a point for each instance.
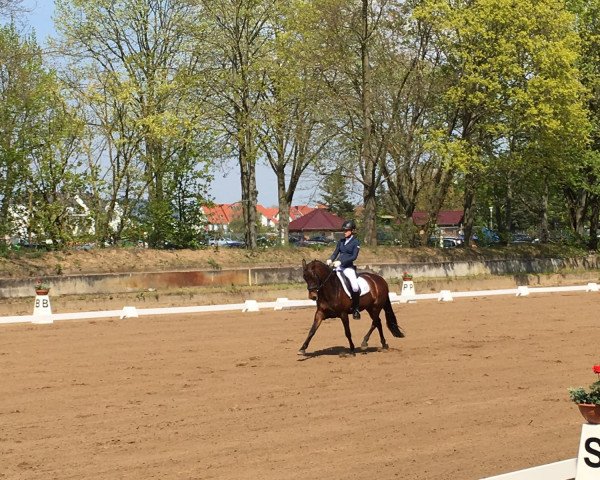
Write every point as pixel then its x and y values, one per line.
pixel 346 322
pixel 319 316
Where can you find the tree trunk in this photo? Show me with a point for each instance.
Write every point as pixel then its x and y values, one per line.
pixel 544 230
pixel 594 214
pixel 284 210
pixel 249 196
pixel 507 226
pixel 469 214
pixel 370 212
pixel 577 203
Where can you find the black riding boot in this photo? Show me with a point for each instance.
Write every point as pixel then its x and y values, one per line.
pixel 355 305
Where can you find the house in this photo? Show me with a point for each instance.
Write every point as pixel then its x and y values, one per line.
pixel 449 221
pixel 269 217
pixel 318 220
pixel 298 211
pixel 219 216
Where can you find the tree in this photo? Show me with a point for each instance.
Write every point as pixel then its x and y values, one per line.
pixel 335 195
pixel 294 130
pixel 139 52
pixel 504 58
pixel 344 37
pixel 28 96
pixel 237 46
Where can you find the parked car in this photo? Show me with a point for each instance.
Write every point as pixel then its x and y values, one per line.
pixel 522 238
pixel 447 242
pixel 309 243
pixel 485 236
pixel 226 242
pixel 321 239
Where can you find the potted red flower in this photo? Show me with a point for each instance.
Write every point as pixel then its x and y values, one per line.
pixel 407 276
pixel 588 401
pixel 41 287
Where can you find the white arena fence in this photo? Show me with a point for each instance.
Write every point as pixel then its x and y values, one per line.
pixel 280 304
pixel 565 470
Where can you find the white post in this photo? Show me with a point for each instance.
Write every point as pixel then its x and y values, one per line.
pixel 250 306
pixel 522 291
pixel 129 312
pixel 588 459
pixel 280 303
pixel 42 310
pixel 407 294
pixel 592 287
pixel 445 296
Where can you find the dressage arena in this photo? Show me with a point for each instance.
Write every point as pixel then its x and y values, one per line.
pixel 478 387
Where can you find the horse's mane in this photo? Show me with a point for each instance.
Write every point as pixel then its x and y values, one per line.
pixel 316 265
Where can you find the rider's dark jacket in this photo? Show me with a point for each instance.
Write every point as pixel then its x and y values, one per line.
pixel 348 252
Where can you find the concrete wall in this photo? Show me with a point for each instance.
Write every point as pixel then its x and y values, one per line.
pixel 161 281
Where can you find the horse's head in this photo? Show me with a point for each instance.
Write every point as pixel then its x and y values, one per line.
pixel 315 275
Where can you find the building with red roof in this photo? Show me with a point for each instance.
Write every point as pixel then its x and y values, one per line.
pixel 269 217
pixel 219 216
pixel 449 221
pixel 298 211
pixel 318 220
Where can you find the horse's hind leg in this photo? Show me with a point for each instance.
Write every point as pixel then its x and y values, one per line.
pixel 365 342
pixel 377 324
pixel 346 322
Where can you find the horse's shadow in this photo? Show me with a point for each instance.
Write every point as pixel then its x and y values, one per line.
pixel 338 351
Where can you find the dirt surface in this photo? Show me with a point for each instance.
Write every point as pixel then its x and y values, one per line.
pixel 478 387
pixel 38 264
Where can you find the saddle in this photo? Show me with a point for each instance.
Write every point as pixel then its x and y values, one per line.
pixel 363 285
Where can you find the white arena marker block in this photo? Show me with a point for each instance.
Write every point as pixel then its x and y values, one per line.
pixel 408 292
pixel 129 312
pixel 42 310
pixel 280 303
pixel 445 296
pixel 592 287
pixel 250 306
pixel 522 291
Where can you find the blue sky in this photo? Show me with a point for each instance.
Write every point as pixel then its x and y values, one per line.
pixel 226 186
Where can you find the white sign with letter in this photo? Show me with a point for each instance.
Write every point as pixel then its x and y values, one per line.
pixel 588 459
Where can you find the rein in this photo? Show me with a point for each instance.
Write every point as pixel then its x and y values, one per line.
pixel 321 283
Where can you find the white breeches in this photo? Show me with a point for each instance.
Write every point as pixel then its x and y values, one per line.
pixel 351 275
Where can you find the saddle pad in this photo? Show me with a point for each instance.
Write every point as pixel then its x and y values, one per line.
pixel 362 284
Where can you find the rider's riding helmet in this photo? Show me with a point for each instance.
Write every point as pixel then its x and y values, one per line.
pixel 349 225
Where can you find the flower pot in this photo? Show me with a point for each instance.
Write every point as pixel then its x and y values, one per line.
pixel 590 412
pixel 42 291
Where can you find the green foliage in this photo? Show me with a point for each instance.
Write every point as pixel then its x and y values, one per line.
pixel 581 395
pixel 336 193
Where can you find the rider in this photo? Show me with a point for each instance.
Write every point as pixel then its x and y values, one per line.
pixel 347 248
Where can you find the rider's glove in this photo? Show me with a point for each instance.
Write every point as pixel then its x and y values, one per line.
pixel 337 263
pixel 329 261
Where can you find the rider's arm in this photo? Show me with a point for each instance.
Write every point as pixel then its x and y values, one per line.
pixel 335 252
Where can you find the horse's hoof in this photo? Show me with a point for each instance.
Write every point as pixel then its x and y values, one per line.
pixel 364 345
pixel 302 352
pixel 385 346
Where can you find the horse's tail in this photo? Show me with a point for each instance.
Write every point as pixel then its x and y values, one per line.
pixel 390 319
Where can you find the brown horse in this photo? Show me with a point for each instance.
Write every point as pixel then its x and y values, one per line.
pixel 325 287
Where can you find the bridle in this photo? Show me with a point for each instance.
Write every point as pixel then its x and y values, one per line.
pixel 320 284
